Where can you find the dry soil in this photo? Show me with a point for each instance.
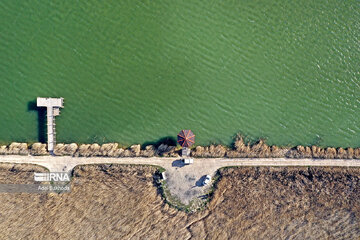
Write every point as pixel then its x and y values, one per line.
pixel 121 202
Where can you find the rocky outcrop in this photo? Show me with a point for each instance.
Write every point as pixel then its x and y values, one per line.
pixel 38 149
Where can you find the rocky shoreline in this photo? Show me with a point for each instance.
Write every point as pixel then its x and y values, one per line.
pixel 240 149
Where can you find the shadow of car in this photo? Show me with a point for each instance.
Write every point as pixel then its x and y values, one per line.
pixel 200 182
pixel 178 163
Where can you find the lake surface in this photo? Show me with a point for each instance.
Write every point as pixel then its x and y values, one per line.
pixel 135 72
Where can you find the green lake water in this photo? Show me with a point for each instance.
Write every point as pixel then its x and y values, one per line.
pixel 138 71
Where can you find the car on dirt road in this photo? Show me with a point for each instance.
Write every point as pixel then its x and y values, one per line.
pixel 207 180
pixel 188 161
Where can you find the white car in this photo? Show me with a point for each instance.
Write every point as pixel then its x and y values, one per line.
pixel 188 161
pixel 207 180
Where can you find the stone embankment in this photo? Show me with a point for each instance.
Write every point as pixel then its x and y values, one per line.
pixel 240 149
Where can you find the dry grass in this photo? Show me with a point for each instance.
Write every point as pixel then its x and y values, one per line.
pixel 121 202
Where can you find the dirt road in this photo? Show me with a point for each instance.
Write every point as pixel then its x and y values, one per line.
pixel 184 181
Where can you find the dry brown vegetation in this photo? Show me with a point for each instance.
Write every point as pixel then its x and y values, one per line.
pixel 121 202
pixel 240 149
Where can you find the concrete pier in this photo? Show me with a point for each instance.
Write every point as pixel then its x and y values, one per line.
pixel 53 106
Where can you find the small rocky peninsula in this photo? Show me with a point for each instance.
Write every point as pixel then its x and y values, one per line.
pixel 240 149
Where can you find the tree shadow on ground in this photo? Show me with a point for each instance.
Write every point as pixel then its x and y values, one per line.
pixel 169 140
pixel 41 120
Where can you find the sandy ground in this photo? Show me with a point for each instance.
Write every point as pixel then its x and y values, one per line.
pixel 184 182
pixel 121 202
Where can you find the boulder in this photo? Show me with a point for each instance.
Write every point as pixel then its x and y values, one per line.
pixel 38 149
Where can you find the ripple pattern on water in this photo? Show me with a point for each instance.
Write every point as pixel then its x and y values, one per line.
pixel 134 72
